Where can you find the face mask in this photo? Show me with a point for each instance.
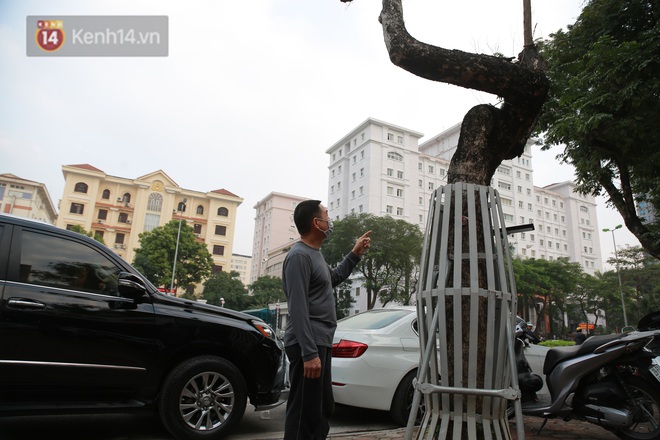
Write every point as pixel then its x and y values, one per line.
pixel 331 228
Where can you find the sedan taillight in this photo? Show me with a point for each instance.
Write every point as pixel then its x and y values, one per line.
pixel 348 349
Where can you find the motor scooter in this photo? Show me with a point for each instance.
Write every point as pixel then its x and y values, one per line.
pixel 612 381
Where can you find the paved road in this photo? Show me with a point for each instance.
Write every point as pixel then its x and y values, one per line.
pixel 145 426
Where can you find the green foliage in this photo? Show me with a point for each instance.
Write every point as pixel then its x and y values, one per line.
pixel 267 290
pixel 391 266
pixel 604 106
pixel 343 299
pixel 556 343
pixel 640 279
pixel 228 286
pixel 80 230
pixel 155 256
pixel 545 285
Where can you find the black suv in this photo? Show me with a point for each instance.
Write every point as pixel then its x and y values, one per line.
pixel 81 330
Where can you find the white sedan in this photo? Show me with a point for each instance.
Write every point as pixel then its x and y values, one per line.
pixel 375 355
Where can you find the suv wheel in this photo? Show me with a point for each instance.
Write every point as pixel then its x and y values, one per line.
pixel 202 397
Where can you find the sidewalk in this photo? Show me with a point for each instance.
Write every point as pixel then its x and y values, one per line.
pixel 554 429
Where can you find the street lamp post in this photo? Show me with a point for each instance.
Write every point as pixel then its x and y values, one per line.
pixel 618 274
pixel 181 208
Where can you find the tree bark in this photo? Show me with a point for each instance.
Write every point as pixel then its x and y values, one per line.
pixel 489 134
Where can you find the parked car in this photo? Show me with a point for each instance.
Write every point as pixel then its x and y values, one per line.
pixel 81 330
pixel 375 356
pixel 375 359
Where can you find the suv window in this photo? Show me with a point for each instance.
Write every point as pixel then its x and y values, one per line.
pixel 56 262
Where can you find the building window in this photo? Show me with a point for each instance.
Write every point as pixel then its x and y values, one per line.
pixel 155 202
pixel 200 210
pixel 220 230
pixel 103 214
pixel 106 194
pixel 390 136
pixel 389 209
pixel 399 174
pixel 399 211
pixel 151 221
pixel 126 198
pixel 399 192
pixel 395 156
pixel 223 212
pixel 123 217
pixel 197 228
pixel 431 186
pixel 390 172
pixel 81 187
pixel 431 169
pixel 218 249
pixel 119 238
pixel 390 191
pixel 399 139
pixel 420 166
pixel 77 208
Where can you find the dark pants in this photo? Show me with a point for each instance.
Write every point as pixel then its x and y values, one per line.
pixel 310 404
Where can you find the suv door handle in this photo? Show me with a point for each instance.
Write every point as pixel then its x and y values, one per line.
pixel 20 303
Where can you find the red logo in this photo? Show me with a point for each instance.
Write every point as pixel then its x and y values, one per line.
pixel 50 35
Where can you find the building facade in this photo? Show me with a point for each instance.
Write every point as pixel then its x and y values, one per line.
pixel 380 168
pixel 26 198
pixel 119 209
pixel 274 233
pixel 243 265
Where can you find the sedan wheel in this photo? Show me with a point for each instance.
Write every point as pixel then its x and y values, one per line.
pixel 403 400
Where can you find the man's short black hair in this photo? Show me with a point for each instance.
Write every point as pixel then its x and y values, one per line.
pixel 304 214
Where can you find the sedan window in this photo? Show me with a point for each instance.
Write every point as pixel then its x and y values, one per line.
pixel 372 320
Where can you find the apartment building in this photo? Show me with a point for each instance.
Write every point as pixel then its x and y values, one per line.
pixel 274 233
pixel 380 168
pixel 120 208
pixel 26 198
pixel 243 265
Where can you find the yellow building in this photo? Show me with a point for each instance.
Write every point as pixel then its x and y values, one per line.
pixel 25 198
pixel 119 209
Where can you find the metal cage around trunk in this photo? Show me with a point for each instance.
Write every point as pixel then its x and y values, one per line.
pixel 466 303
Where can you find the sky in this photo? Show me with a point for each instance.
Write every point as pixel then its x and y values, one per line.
pixel 251 94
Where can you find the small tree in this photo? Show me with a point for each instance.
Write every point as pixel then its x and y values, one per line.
pixel 155 256
pixel 226 286
pixel 388 270
pixel 266 290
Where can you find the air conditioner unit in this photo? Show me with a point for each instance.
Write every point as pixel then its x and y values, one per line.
pixel 120 199
pixel 100 221
pixel 197 235
pixel 128 205
pixel 128 221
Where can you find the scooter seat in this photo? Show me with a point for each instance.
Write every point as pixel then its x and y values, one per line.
pixel 559 354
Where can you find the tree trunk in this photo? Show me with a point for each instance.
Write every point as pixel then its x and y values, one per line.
pixel 489 134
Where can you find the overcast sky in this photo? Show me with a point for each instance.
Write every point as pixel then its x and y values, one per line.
pixel 251 94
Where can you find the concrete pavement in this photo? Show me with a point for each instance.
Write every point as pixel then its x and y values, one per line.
pixel 553 429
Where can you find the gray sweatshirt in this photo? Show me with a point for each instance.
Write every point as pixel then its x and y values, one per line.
pixel 308 282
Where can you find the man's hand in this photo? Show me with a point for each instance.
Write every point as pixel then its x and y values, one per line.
pixel 362 244
pixel 312 368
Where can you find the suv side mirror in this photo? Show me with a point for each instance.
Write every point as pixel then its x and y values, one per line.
pixel 130 285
